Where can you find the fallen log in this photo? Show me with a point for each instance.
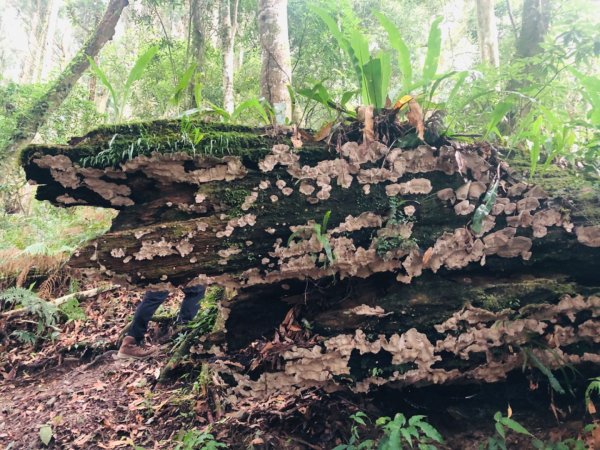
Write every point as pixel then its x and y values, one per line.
pixel 359 263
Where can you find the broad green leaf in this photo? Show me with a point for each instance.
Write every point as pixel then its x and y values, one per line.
pixel 346 96
pixel 460 80
pixel 340 38
pixel 498 114
pixel 407 436
pixel 251 104
pixel 46 434
pixel 434 46
pixel 430 431
pixel 324 229
pixel 139 67
pixel 485 208
pixel 547 372
pixel 500 430
pixel 514 425
pixel 415 419
pixel 183 83
pixel 104 80
pixel 400 46
pixel 536 148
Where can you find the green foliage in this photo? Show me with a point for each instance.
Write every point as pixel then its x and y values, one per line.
pixel 535 362
pixel 593 387
pixel 46 434
pixel 354 442
pixel 372 72
pixel 49 230
pixel 320 231
pixel 503 425
pixel 120 95
pixel 197 440
pixel 385 244
pixel 485 208
pixel 396 434
pixel 72 310
pixel 45 313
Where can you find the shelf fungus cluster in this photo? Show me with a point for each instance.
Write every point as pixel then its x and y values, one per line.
pixel 362 259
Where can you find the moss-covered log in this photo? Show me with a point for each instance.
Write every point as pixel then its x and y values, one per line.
pixel 368 262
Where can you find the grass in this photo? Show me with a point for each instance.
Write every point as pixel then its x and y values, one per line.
pixel 44 238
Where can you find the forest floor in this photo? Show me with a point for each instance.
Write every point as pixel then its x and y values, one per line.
pixel 90 400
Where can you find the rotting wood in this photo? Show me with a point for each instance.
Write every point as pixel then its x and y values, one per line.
pixel 403 259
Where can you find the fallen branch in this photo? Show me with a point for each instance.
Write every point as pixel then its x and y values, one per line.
pixel 83 295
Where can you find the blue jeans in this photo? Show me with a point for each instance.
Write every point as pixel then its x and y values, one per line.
pixel 153 299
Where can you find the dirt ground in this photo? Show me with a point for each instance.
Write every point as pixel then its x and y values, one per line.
pixel 90 400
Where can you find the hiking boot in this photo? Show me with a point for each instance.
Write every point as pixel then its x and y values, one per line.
pixel 130 349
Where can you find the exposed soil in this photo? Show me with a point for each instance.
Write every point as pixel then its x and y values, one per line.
pixel 93 401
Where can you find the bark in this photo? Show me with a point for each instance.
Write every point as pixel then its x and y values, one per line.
pixel 276 71
pixel 36 26
pixel 397 279
pixel 487 33
pixel 534 26
pixel 33 119
pixel 201 11
pixel 229 24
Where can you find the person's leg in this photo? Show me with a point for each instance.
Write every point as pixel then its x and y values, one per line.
pixel 144 312
pixel 191 303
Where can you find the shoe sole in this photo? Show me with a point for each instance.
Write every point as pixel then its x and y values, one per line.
pixel 132 357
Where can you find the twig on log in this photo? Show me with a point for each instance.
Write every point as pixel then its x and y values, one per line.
pixel 90 293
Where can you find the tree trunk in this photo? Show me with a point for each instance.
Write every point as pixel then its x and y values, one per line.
pixel 276 71
pixel 534 26
pixel 199 34
pixel 487 33
pixel 344 260
pixel 31 121
pixel 229 25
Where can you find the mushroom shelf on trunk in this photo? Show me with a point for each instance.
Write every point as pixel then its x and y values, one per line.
pixel 363 255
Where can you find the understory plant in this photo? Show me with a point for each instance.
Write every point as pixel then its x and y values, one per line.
pixel 46 314
pixel 397 433
pixel 197 440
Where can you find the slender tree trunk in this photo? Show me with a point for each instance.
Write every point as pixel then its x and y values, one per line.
pixel 31 121
pixel 198 35
pixel 276 71
pixel 45 61
pixel 487 33
pixel 35 30
pixel 229 24
pixel 534 26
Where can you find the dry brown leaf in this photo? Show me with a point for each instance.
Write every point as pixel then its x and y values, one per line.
pixel 591 407
pixel 296 138
pixel 403 101
pixel 368 130
pixel 415 118
pixel 460 162
pixel 323 132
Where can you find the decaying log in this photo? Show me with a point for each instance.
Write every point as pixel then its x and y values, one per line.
pixel 395 287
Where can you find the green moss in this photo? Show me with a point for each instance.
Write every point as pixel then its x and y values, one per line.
pixel 111 145
pixel 385 244
pixel 234 198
